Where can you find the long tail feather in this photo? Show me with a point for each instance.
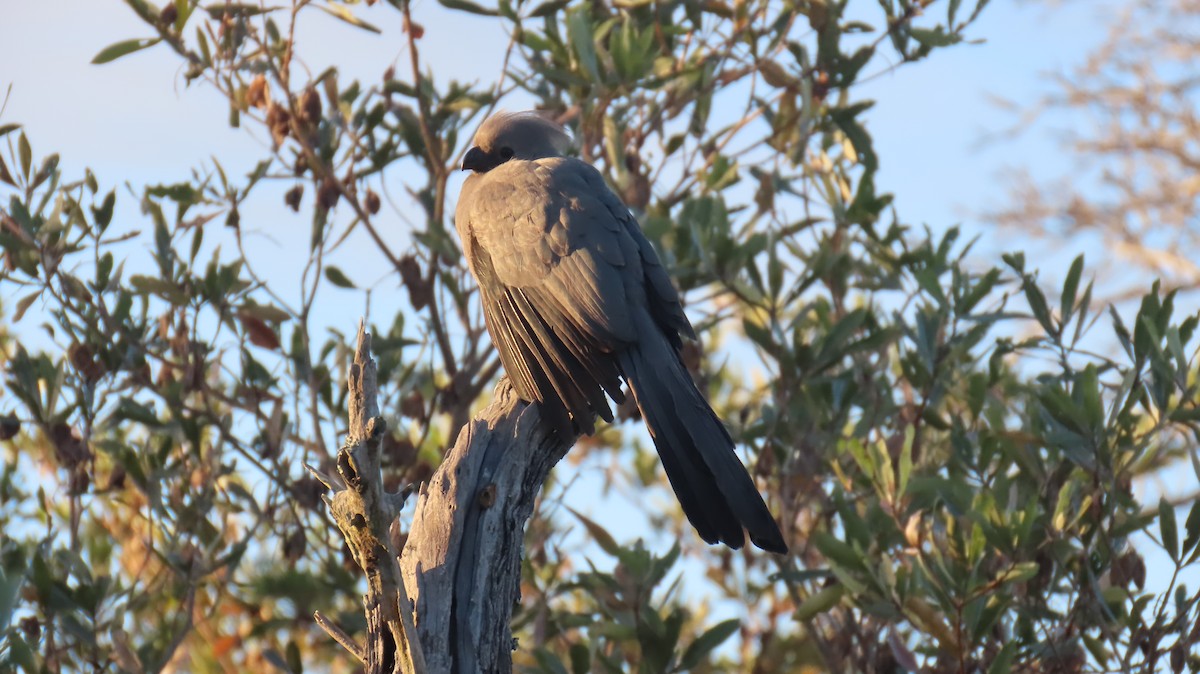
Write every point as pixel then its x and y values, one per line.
pixel 716 493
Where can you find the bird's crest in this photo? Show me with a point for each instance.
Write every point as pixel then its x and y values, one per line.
pixel 530 129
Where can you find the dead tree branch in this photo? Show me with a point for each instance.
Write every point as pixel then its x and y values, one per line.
pixel 461 565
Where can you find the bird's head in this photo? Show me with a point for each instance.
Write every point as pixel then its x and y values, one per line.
pixel 514 135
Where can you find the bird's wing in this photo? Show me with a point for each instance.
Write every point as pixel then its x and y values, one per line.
pixel 561 267
pixel 661 297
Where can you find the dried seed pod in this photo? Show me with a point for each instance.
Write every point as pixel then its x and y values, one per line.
pixel 168 14
pixel 279 122
pixel 293 196
pixel 413 406
pixel 294 545
pixel 310 107
pixel 328 194
pixel 69 449
pixel 419 293
pixel 371 202
pixel 258 93
pixel 84 362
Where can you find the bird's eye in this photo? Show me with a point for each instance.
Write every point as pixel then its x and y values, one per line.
pixel 506 153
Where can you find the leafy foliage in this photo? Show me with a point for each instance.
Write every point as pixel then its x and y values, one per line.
pixel 952 465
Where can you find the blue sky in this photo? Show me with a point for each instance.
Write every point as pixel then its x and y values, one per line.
pixel 134 120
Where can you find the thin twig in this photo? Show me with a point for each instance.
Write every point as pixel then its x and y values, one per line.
pixel 338 635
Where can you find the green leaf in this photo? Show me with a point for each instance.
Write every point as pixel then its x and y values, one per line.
pixel 180 193
pixel 984 285
pixel 1002 664
pixel 1066 498
pixel 1192 529
pixel 21 654
pixel 6 129
pixel 337 278
pixel 548 8
pixel 205 52
pixel 26 154
pixel 549 662
pixel 952 12
pixel 1145 337
pixel 760 335
pixel 343 13
pixel 23 305
pixel 820 602
pixel 599 533
pixel 144 10
pixel 699 649
pixel 1070 287
pixel 579 31
pixel 581 659
pixel 865 461
pixel 103 215
pixel 124 303
pixel 937 37
pixel 1085 304
pixel 1093 406
pixel 166 289
pixel 468 6
pixel 5 176
pixel 266 312
pixel 1168 528
pixel 838 551
pixel 103 270
pixel 801 575
pixel 183 11
pixel 887 472
pixel 856 134
pixel 1018 573
pixel 49 164
pixel 1038 305
pixel 1096 647
pixel 123 48
pixel 218 10
pixel 129 409
pixel 848 68
pixel 11 580
pixel 906 460
pixel 1122 331
pixel 197 239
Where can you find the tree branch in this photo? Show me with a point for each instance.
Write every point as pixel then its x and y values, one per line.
pixel 364 512
pixel 461 565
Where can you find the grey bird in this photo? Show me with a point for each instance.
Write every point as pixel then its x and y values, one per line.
pixel 576 300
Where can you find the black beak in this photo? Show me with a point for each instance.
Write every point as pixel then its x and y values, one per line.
pixel 477 160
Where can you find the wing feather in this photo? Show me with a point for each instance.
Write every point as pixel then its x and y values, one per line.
pixel 662 298
pixel 513 346
pixel 564 267
pixel 576 387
